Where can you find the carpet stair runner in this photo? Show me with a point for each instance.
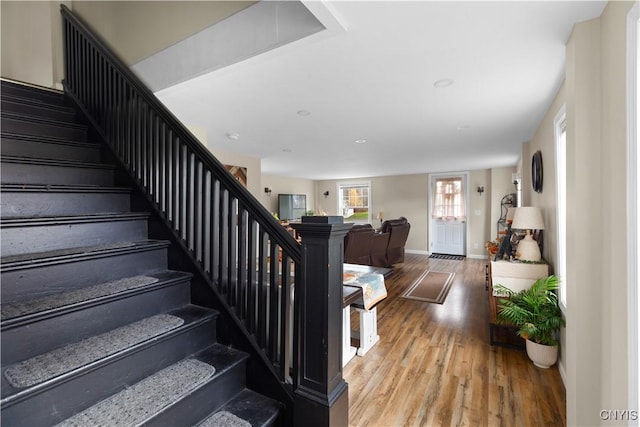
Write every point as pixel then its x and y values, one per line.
pixel 95 329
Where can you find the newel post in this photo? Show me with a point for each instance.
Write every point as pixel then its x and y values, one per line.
pixel 321 394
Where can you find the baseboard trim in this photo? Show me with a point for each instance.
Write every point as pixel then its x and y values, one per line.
pixel 563 373
pixel 416 251
pixel 58 89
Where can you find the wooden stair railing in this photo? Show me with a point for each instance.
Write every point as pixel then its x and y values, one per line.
pixel 231 238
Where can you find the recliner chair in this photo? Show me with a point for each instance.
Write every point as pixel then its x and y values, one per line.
pixel 357 244
pixel 398 230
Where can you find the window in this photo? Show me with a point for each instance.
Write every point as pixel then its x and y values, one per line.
pixel 449 199
pixel 354 202
pixel 560 131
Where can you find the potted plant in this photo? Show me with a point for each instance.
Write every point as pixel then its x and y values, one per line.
pixel 536 314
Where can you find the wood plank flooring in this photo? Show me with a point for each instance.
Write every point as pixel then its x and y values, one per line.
pixel 434 366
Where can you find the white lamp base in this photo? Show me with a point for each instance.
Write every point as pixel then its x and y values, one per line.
pixel 528 249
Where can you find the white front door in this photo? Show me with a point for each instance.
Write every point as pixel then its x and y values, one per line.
pixel 448 237
pixel 448 214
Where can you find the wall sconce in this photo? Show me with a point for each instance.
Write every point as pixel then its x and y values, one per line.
pixel 267 191
pixel 326 193
pixel 480 190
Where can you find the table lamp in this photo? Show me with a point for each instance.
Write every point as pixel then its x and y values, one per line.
pixel 528 218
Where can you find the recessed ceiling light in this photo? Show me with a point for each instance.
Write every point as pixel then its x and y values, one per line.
pixel 233 136
pixel 304 113
pixel 443 83
pixel 361 141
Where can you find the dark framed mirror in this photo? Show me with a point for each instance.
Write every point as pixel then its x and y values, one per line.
pixel 536 171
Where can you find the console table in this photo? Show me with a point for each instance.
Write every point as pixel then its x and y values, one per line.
pixel 353 297
pixel 516 276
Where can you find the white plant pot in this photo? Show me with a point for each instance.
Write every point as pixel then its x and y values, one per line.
pixel 543 356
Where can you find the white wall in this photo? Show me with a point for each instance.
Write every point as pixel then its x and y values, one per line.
pixel 501 185
pixel 394 196
pixel 31 31
pixel 480 213
pixel 594 343
pixel 408 196
pixel 613 145
pixel 31 34
pixel 253 164
pixel 138 29
pixel 544 140
pixel 286 185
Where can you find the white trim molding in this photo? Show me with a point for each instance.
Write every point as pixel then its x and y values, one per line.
pixel 633 210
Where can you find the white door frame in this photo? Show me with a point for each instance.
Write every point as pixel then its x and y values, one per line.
pixel 432 186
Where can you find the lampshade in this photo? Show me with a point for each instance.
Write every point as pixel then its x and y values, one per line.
pixel 527 218
pixel 510 213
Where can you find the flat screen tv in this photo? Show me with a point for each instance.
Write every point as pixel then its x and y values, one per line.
pixel 292 206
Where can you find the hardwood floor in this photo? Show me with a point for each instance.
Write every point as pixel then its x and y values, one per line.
pixel 434 366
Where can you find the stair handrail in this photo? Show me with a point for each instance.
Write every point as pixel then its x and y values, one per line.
pixel 273 226
pixel 108 103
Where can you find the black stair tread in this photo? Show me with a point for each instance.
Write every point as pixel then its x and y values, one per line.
pixel 133 405
pixel 61 188
pixel 55 162
pixel 136 404
pixel 72 219
pixel 42 120
pixel 36 103
pixel 25 235
pixel 48 139
pixel 20 106
pixel 32 92
pixel 62 255
pixel 251 407
pixel 223 418
pixel 47 370
pixel 20 313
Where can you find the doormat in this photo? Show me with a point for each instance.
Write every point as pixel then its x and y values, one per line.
pixel 431 286
pixel 447 256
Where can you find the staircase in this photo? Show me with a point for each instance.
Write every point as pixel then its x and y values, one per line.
pixel 95 329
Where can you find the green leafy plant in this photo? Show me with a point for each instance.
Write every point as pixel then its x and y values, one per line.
pixel 534 311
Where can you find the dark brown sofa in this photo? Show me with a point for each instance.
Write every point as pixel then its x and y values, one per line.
pixel 382 248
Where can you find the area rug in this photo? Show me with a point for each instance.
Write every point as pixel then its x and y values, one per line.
pixel 431 286
pixel 447 256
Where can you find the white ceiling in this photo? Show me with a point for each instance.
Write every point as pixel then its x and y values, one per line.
pixel 371 76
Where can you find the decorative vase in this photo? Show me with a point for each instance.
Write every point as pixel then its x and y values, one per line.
pixel 543 356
